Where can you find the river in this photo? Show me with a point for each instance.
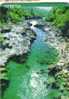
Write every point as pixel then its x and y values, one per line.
pixel 28 80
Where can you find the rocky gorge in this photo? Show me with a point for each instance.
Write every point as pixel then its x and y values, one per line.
pixel 17 43
pixel 34 52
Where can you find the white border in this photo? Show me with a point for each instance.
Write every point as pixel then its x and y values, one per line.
pixel 33 1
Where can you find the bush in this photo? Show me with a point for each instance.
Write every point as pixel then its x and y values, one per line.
pixel 59 16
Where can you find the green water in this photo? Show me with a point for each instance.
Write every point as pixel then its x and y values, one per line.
pixel 27 79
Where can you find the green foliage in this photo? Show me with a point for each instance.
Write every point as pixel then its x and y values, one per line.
pixel 59 16
pixel 14 14
pixel 3 14
pixel 17 14
pixel 1 37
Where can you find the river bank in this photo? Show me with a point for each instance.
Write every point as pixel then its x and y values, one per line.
pixel 15 44
pixel 17 41
pixel 59 72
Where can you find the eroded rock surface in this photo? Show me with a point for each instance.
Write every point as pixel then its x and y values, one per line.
pixel 16 42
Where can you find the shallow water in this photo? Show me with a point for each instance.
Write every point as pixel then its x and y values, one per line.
pixel 28 80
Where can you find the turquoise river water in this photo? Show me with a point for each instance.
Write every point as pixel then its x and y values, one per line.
pixel 28 80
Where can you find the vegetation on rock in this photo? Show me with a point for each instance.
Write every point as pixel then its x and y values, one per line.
pixel 59 16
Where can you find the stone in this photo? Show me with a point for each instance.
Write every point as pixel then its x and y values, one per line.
pixel 17 43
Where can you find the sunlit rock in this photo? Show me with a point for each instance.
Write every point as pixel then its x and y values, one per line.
pixel 33 22
pixel 15 43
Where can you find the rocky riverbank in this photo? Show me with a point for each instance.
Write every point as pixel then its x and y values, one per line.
pixel 59 72
pixel 15 43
